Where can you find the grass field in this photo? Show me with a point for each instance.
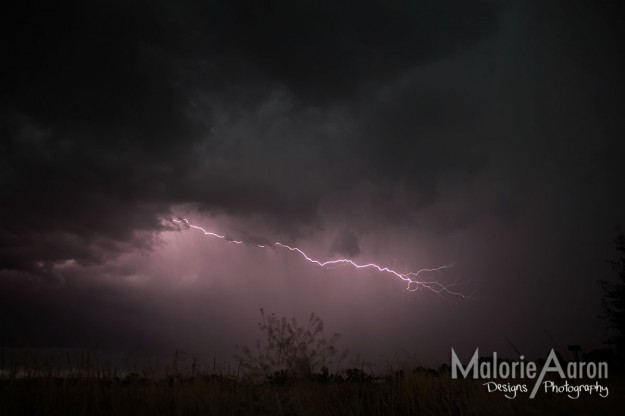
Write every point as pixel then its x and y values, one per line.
pixel 190 392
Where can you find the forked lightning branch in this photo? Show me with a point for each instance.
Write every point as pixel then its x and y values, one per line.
pixel 413 279
pixel 498 375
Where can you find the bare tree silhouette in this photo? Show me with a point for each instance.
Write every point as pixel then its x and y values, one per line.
pixel 614 298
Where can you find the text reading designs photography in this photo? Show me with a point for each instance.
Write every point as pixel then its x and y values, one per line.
pixel 527 370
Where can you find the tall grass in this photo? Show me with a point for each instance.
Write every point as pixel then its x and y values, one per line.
pixel 43 385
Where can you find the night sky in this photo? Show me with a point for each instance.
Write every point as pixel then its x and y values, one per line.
pixel 412 134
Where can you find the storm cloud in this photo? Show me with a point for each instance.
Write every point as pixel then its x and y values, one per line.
pixel 114 111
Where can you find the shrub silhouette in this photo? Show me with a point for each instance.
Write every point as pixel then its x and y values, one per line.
pixel 289 350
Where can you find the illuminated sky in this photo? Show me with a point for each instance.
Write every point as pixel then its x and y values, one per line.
pixel 410 134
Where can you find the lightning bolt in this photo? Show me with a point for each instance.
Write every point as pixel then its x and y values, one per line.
pixel 412 279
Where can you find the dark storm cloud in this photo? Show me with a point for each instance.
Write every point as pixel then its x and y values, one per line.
pixel 109 110
pixel 346 244
pixel 328 49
